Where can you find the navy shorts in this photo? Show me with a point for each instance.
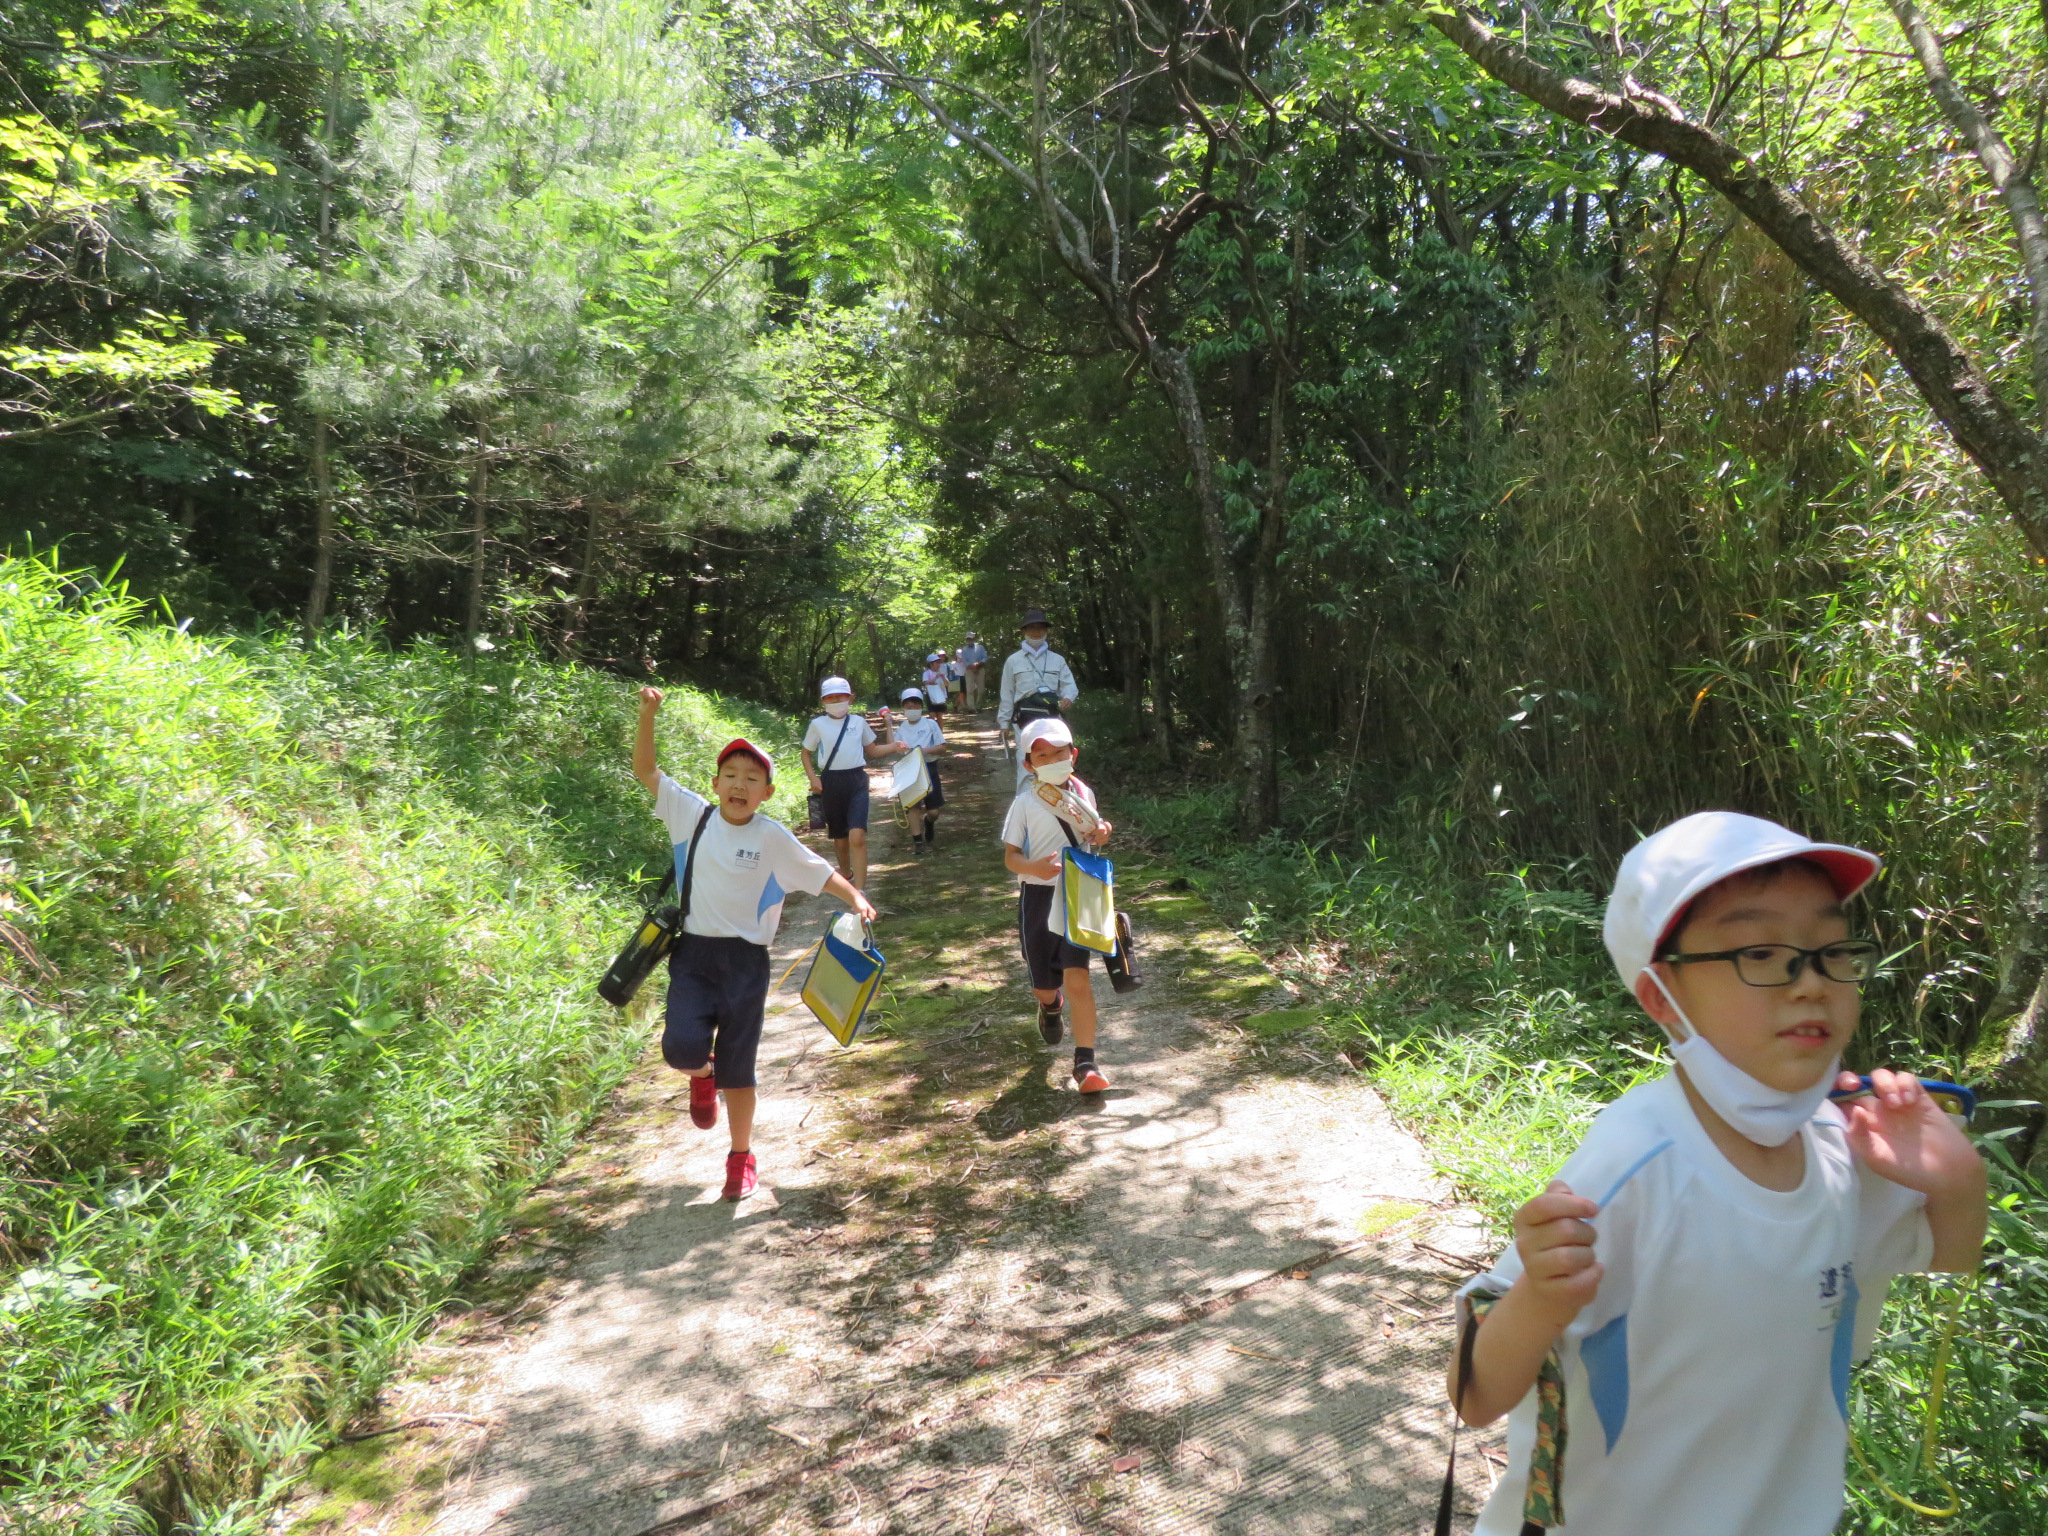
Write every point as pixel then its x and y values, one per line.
pixel 717 989
pixel 846 800
pixel 1046 953
pixel 937 797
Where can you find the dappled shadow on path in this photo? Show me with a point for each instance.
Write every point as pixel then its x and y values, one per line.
pixel 966 1297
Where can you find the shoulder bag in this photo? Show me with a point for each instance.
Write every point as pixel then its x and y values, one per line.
pixel 657 932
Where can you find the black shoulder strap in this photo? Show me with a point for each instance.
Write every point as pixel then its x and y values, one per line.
pixel 1443 1505
pixel 690 866
pixel 833 755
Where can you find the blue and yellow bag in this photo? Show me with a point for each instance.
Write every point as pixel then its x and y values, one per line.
pixel 842 981
pixel 1087 901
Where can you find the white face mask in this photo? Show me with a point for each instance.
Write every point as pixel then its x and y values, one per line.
pixel 1766 1115
pixel 913 714
pixel 837 708
pixel 1035 647
pixel 1055 773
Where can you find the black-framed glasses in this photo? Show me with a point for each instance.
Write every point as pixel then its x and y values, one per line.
pixel 1779 965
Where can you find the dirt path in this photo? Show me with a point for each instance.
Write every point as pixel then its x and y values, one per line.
pixel 964 1299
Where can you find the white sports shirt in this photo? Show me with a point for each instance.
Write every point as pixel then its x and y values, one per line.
pixel 822 738
pixel 743 872
pixel 1706 1385
pixel 1032 826
pixel 921 733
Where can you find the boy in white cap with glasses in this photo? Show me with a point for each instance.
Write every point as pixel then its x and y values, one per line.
pixel 838 746
pixel 1035 838
pixel 733 869
pixel 1690 1291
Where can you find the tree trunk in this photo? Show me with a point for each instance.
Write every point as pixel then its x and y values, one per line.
pixel 1162 687
pixel 881 662
pixel 1244 650
pixel 323 472
pixel 479 530
pixel 586 578
pixel 323 526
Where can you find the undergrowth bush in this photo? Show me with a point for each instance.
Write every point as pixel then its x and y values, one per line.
pixel 1486 1012
pixel 297 956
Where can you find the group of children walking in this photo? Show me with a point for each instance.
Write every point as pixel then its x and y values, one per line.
pixel 1694 1284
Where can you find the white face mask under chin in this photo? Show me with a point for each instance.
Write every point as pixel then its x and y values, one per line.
pixel 1766 1115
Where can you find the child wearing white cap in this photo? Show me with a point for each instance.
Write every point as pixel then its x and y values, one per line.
pixel 1690 1291
pixel 934 681
pixel 922 732
pixel 1034 840
pixel 838 746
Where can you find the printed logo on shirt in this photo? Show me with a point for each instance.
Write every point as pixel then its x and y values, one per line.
pixel 747 858
pixel 1837 1290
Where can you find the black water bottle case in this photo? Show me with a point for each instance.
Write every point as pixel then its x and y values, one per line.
pixel 651 941
pixel 656 935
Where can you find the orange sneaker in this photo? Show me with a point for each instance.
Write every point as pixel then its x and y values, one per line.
pixel 740 1178
pixel 704 1101
pixel 1088 1079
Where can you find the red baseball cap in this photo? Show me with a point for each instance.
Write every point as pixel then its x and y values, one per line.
pixel 741 744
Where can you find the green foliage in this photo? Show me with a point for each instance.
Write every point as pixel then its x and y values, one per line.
pixel 297 950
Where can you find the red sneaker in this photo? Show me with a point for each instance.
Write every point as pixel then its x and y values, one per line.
pixel 704 1101
pixel 739 1175
pixel 1088 1080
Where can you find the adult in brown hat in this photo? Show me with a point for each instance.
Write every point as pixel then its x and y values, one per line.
pixel 1037 681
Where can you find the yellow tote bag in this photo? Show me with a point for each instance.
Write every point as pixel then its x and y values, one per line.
pixel 841 982
pixel 1088 901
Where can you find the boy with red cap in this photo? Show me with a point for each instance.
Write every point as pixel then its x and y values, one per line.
pixel 1690 1291
pixel 733 869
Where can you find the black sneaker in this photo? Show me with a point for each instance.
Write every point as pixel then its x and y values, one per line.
pixel 1050 1025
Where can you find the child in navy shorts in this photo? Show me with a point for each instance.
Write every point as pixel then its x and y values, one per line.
pixel 838 746
pixel 919 730
pixel 1034 841
pixel 733 869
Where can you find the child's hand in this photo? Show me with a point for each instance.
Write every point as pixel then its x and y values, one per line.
pixel 1047 868
pixel 863 906
pixel 1901 1134
pixel 1101 834
pixel 650 698
pixel 817 785
pixel 1554 1235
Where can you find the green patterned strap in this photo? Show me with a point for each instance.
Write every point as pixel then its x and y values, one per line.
pixel 1543 1500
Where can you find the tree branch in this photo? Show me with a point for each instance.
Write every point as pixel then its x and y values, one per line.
pixel 2012 456
pixel 2013 182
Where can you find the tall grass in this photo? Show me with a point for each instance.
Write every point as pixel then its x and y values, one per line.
pixel 297 948
pixel 1485 1010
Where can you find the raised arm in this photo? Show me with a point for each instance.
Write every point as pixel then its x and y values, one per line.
pixel 644 768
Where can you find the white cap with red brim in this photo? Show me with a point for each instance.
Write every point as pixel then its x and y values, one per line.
pixel 1052 729
pixel 1664 872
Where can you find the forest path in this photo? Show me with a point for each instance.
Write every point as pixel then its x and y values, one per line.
pixel 1213 1300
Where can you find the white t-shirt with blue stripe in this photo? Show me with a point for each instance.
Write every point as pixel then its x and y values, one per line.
pixel 1706 1385
pixel 743 872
